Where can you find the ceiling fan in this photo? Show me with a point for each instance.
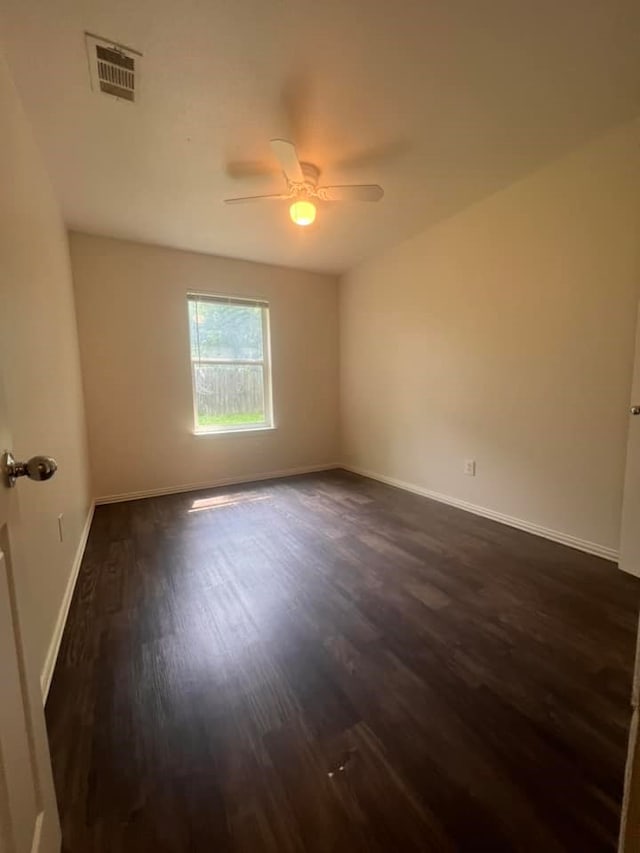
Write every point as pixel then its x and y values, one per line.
pixel 302 186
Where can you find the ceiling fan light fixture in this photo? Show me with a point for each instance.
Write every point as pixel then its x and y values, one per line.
pixel 302 186
pixel 303 212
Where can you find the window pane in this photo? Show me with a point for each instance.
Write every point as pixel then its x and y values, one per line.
pixel 225 331
pixel 228 395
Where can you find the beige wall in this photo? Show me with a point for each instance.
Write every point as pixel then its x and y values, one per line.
pixel 132 318
pixel 505 335
pixel 40 369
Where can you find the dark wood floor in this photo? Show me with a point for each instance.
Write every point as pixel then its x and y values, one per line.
pixel 329 664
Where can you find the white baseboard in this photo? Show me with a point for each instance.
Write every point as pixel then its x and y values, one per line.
pixel 212 484
pixel 54 645
pixel 511 521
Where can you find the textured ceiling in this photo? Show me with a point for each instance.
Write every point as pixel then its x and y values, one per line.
pixel 440 102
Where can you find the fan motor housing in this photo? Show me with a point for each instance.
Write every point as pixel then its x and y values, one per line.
pixel 311 173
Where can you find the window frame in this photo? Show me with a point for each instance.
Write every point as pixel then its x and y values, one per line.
pixel 264 362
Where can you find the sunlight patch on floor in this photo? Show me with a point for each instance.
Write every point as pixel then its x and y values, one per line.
pixel 223 501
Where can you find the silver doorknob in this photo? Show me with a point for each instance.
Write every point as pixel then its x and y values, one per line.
pixel 635 410
pixel 37 468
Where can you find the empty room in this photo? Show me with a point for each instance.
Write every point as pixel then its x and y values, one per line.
pixel 319 426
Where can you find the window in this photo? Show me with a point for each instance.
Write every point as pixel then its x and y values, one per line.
pixel 230 363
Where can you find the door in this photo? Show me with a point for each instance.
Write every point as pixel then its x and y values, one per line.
pixel 28 814
pixel 630 531
pixel 630 562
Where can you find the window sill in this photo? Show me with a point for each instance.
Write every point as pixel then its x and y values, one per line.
pixel 234 430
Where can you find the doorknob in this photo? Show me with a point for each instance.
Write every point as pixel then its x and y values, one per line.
pixel 37 468
pixel 635 410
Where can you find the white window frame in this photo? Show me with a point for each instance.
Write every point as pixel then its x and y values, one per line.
pixel 264 362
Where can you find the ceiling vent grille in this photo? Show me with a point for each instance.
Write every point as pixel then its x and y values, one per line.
pixel 114 69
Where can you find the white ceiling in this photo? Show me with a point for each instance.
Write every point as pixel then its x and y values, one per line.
pixel 441 102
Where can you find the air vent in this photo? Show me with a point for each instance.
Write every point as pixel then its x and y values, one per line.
pixel 115 69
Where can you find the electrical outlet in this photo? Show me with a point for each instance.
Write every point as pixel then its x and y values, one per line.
pixel 61 526
pixel 470 467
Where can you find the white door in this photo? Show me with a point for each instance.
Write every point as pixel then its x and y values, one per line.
pixel 28 815
pixel 630 562
pixel 630 532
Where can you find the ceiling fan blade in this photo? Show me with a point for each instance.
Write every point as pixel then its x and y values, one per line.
pixel 285 151
pixel 352 192
pixel 250 169
pixel 248 198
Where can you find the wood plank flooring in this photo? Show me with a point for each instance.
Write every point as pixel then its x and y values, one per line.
pixel 326 663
